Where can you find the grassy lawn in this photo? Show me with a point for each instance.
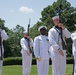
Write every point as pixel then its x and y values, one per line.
pixel 17 70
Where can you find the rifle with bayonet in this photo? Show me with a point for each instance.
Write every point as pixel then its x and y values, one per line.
pixel 30 50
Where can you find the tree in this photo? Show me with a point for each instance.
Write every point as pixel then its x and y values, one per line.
pixel 34 30
pixel 2 23
pixel 12 45
pixel 68 14
pixel 68 17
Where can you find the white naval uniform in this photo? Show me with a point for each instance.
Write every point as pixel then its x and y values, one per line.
pixel 4 36
pixel 73 36
pixel 41 48
pixel 58 61
pixel 26 59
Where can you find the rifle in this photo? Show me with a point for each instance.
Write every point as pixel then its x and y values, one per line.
pixel 1 27
pixel 1 57
pixel 73 66
pixel 61 34
pixel 29 39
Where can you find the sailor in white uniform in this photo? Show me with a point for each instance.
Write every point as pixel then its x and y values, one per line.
pixel 58 54
pixel 26 55
pixel 3 36
pixel 73 36
pixel 41 51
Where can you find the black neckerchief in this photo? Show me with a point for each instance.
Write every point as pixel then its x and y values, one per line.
pixel 58 29
pixel 61 36
pixel 26 38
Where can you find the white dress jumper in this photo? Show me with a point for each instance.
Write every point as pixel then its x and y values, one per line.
pixel 58 61
pixel 73 36
pixel 26 59
pixel 4 36
pixel 41 48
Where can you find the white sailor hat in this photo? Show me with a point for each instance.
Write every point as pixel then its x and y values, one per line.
pixel 55 17
pixel 24 32
pixel 42 27
pixel 75 25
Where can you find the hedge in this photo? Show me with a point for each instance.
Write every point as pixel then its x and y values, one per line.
pixel 18 61
pixel 15 61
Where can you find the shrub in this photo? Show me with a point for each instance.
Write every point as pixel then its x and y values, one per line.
pixel 18 61
pixel 12 61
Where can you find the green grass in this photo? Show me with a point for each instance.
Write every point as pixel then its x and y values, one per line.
pixel 17 70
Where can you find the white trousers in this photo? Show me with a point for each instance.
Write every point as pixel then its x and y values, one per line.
pixel 74 64
pixel 59 64
pixel 43 66
pixel 26 63
pixel 1 63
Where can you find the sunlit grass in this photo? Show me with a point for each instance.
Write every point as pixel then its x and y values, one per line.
pixel 17 70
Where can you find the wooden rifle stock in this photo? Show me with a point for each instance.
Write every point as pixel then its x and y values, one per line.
pixel 63 42
pixel 61 34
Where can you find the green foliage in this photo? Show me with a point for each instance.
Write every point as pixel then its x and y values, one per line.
pixel 68 14
pixel 34 30
pixel 69 47
pixel 18 61
pixel 15 61
pixel 12 45
pixel 70 60
pixel 12 61
pixel 2 23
